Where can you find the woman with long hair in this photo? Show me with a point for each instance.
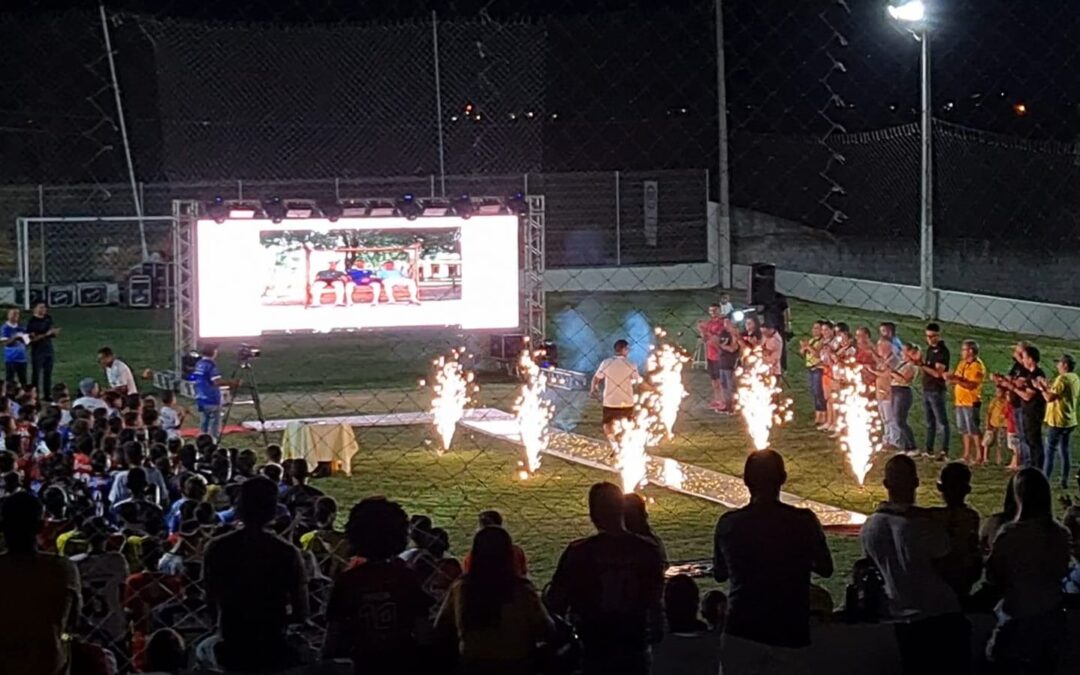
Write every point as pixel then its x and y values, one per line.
pixel 493 614
pixel 636 518
pixel 1029 559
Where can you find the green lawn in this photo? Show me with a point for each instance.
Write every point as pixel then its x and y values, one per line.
pixel 363 373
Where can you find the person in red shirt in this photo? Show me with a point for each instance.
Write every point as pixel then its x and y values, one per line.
pixel 495 519
pixel 144 591
pixel 709 331
pixel 377 609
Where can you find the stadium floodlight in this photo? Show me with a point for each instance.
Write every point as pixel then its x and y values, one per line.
pixel 408 207
pixel 907 11
pixel 517 204
pixel 275 209
pixel 463 207
pixel 491 207
pixel 244 210
pixel 300 208
pixel 434 207
pixel 218 210
pixel 382 209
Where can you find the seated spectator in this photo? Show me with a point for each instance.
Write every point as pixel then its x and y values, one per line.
pixel 256 581
pixel 768 550
pixel 993 524
pixel 436 570
pixel 194 491
pixel 103 574
pixel 419 535
pixel 1028 562
pixel 144 591
pixel 245 465
pixel 166 653
pixel 382 586
pixel 962 567
pixel 327 545
pixel 170 417
pixel 681 603
pixel 714 607
pixel 41 595
pixel 637 522
pixel 494 615
pixel 135 456
pixel 57 521
pixel 137 514
pixel 273 455
pixel 300 497
pixel 618 629
pixel 495 519
pixel 906 543
pixel 90 396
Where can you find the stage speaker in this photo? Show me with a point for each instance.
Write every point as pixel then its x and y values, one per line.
pixel 140 291
pixel 93 294
pixel 761 286
pixel 63 295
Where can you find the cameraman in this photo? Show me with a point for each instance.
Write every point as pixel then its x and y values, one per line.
pixel 208 384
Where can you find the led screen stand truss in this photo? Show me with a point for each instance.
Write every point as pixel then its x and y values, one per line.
pixel 534 309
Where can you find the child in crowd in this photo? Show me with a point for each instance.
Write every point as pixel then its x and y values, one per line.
pixel 714 610
pixel 726 308
pixel 170 416
pixel 996 434
pixel 962 566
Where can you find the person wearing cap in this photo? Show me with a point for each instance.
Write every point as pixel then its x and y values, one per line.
pixel 90 395
pixel 1062 399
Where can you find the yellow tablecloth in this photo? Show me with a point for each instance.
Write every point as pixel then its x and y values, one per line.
pixel 314 443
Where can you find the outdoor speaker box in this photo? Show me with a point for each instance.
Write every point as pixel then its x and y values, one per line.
pixel 93 294
pixel 761 287
pixel 37 294
pixel 7 295
pixel 507 347
pixel 62 295
pixel 140 291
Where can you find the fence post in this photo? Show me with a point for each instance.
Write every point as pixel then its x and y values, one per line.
pixel 24 254
pixel 618 223
pixel 724 193
pixel 41 229
pixel 239 189
pixel 337 189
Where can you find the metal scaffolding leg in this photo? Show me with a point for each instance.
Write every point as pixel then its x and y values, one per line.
pixel 534 311
pixel 185 330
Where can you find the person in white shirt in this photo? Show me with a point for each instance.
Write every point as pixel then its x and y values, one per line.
pixel 171 417
pixel 906 542
pixel 89 399
pixel 117 372
pixel 619 376
pixel 726 308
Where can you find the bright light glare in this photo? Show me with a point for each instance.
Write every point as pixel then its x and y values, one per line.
pixel 909 12
pixel 738 315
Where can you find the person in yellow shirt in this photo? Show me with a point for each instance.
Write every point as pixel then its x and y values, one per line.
pixel 1062 400
pixel 967 397
pixel 996 434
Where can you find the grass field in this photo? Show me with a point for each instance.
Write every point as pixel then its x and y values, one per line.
pixel 377 372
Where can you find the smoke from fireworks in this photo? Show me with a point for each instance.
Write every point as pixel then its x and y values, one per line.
pixel 857 419
pixel 533 412
pixel 452 391
pixel 761 401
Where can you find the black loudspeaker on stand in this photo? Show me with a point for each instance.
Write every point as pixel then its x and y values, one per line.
pixel 761 286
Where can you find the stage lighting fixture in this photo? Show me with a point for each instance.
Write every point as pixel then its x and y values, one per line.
pixel 331 211
pixel 299 208
pixel 274 209
pixel 490 207
pixel 353 208
pixel 218 210
pixel 382 209
pixel 243 211
pixel 408 207
pixel 434 207
pixel 907 11
pixel 517 204
pixel 463 207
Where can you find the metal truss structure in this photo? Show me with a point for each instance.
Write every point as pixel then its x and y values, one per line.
pixel 534 306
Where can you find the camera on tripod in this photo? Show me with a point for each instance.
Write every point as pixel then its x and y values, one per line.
pixel 247 353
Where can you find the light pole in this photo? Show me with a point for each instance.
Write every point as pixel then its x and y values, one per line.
pixel 911 14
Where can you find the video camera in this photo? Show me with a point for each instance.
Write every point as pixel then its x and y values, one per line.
pixel 247 352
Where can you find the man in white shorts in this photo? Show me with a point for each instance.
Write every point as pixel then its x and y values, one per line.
pixel 619 376
pixel 392 278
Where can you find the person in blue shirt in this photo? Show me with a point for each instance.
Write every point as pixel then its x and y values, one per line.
pixel 394 277
pixel 208 384
pixel 15 339
pixel 359 275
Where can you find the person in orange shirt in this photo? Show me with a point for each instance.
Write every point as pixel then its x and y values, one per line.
pixel 967 397
pixel 495 519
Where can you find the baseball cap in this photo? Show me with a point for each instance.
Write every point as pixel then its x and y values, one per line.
pixel 86 385
pixel 1069 360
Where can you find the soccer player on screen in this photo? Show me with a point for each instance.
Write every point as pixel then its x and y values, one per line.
pixel 359 275
pixel 392 278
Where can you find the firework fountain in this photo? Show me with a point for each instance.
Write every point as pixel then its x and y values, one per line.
pixel 761 401
pixel 857 419
pixel 665 366
pixel 452 390
pixel 533 412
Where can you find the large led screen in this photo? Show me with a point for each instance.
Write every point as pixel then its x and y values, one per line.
pixel 313 275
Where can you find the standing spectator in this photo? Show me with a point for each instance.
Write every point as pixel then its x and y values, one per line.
pixel 15 339
pixel 493 614
pixel 41 594
pixel 962 567
pixel 709 331
pixel 619 376
pixel 935 365
pixel 1062 398
pixel 767 550
pixel 902 375
pixel 997 428
pixel 887 331
pixel 495 519
pixel 636 516
pixel 254 578
pixel 968 378
pixel 42 333
pixel 612 583
pixel 772 348
pixel 208 384
pixel 827 357
pixel 117 373
pixel 811 351
pixel 905 543
pixel 382 588
pixel 882 369
pixel 993 523
pixel 778 315
pixel 1021 382
pixel 1029 559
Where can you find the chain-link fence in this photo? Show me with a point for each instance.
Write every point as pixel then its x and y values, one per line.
pixel 675 148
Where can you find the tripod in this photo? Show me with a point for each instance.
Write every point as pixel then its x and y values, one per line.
pixel 244 377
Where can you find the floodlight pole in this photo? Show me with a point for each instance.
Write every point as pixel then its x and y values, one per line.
pixel 438 102
pixel 723 256
pixel 926 185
